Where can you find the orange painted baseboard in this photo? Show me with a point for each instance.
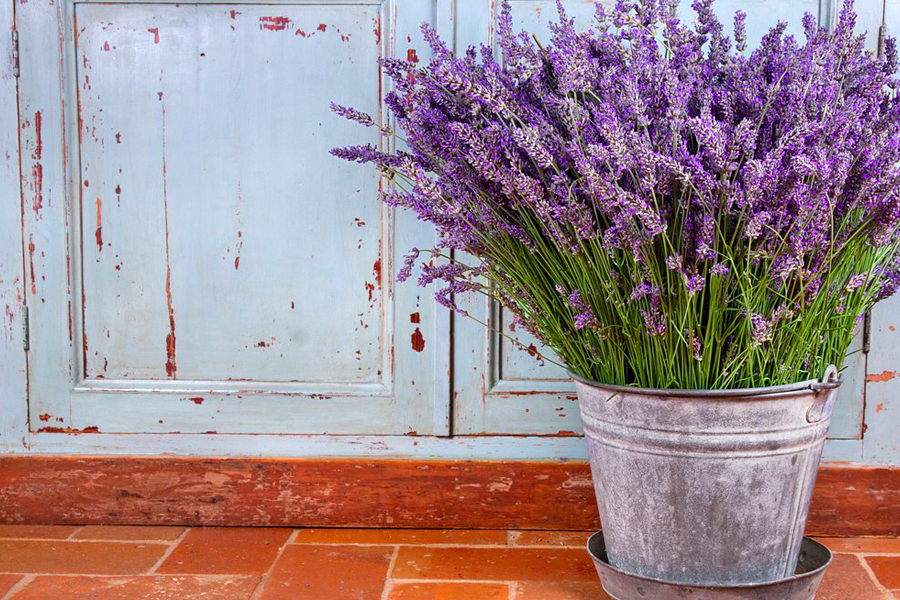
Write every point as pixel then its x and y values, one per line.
pixel 368 493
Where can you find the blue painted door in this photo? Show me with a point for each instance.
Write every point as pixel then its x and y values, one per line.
pixel 196 261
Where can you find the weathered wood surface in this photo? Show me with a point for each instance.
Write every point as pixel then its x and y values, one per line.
pixel 250 201
pixel 369 493
pixel 196 260
pixel 13 405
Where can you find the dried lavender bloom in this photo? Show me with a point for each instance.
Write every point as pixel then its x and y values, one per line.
pixel 658 205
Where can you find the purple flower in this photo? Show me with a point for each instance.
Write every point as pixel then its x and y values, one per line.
pixel 619 174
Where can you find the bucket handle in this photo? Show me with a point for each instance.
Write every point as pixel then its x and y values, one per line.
pixel 821 408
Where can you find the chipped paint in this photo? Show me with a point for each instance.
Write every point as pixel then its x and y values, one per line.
pixel 415 318
pixel 171 364
pixel 155 32
pixel 91 429
pixel 37 169
pixel 31 264
pixel 98 234
pixel 274 23
pixel 418 340
pixel 879 377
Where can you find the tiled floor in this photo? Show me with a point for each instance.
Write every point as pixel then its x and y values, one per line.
pixel 163 563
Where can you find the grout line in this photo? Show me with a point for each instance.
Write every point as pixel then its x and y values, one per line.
pixel 388 581
pixel 427 545
pixel 512 590
pixel 213 576
pixel 865 565
pixel 511 538
pixel 433 580
pixel 77 529
pixel 83 541
pixel 257 593
pixel 18 587
pixel 173 544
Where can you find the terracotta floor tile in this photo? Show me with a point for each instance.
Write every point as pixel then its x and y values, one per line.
pixel 100 558
pixel 226 550
pixel 887 570
pixel 575 539
pixel 128 532
pixel 401 536
pixel 449 591
pixel 7 582
pixel 494 564
pixel 50 532
pixel 846 579
pixel 152 587
pixel 329 572
pixel 567 590
pixel 874 545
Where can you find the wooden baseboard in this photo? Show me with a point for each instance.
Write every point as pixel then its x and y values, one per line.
pixel 368 493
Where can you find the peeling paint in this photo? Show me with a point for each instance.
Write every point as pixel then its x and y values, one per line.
pixel 883 376
pixel 274 23
pixel 171 365
pixel 415 318
pixel 99 232
pixel 91 429
pixel 418 341
pixel 31 264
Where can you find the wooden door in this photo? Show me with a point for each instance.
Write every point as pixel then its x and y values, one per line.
pixel 196 261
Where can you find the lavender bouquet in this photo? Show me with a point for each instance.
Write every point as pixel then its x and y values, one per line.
pixel 656 207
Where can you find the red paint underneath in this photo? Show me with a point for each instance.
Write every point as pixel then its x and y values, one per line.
pixel 274 23
pixel 91 429
pixel 418 341
pixel 155 32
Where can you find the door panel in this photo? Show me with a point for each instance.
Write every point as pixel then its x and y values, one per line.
pixel 502 387
pixel 198 261
pixel 166 275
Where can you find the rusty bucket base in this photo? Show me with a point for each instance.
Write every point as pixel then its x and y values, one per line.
pixel 814 559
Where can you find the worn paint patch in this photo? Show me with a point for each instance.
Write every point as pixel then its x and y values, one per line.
pixel 155 32
pixel 98 234
pixel 196 399
pixel 31 265
pixel 418 340
pixel 91 429
pixel 37 169
pixel 171 364
pixel 274 23
pixel 415 318
pixel 883 376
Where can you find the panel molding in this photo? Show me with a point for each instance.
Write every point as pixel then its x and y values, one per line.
pixel 369 493
pixel 405 397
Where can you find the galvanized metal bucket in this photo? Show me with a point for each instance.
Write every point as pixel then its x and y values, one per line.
pixel 706 487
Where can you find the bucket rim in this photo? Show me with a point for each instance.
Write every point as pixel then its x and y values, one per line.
pixel 830 381
pixel 728 586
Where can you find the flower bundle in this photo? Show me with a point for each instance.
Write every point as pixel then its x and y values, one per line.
pixel 658 208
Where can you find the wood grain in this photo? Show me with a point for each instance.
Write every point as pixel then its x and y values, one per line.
pixel 368 493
